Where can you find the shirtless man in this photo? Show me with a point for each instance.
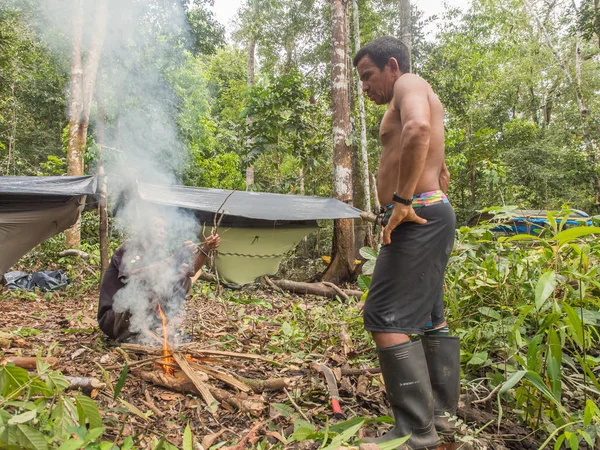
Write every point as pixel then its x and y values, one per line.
pixel 422 377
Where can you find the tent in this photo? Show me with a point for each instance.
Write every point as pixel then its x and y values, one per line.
pixel 32 209
pixel 258 228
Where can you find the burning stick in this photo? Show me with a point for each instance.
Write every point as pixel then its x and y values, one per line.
pixel 166 353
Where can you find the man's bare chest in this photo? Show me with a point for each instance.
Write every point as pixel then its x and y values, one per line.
pixel 390 128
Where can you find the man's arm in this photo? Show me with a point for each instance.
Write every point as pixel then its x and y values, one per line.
pixel 213 241
pixel 411 100
pixel 444 178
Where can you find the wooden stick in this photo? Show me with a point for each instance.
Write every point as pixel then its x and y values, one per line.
pixel 28 362
pixel 295 405
pixel 196 352
pixel 75 252
pixel 200 385
pixel 86 384
pixel 221 376
pixel 260 386
pixel 336 289
pixel 345 372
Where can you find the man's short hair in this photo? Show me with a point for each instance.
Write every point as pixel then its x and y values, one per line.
pixel 382 49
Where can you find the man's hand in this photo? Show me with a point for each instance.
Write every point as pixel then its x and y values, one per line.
pixel 401 213
pixel 211 242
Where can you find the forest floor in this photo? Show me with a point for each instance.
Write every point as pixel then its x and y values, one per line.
pixel 290 332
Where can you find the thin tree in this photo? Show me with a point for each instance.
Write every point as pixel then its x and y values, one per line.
pixel 83 78
pixel 363 230
pixel 342 258
pixel 405 31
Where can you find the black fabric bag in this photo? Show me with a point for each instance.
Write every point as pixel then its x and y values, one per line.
pixel 49 280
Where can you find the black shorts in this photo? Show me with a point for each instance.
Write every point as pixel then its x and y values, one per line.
pixel 407 290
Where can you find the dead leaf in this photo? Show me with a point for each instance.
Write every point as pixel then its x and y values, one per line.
pixel 209 439
pixel 277 436
pixel 77 352
pixel 362 385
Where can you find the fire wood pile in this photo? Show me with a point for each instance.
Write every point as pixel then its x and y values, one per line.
pixel 188 369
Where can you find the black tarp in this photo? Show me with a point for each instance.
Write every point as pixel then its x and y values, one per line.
pixel 33 209
pixel 245 208
pixel 36 193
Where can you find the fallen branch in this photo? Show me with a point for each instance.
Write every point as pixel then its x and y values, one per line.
pixel 260 386
pixel 75 252
pixel 28 362
pixel 240 401
pixel 86 384
pixel 344 372
pixel 322 289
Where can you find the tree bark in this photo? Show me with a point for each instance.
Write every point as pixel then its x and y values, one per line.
pixel 342 258
pixel 405 31
pixel 83 78
pixel 362 172
pixel 376 201
pixel 361 117
pixel 102 182
pixel 251 69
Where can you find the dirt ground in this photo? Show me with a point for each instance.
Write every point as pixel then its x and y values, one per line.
pixel 291 331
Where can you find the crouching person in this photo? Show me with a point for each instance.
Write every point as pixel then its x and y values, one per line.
pixel 143 278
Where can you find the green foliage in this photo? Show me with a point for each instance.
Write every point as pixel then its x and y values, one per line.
pixel 533 304
pixel 285 126
pixel 32 86
pixel 36 412
pixel 527 310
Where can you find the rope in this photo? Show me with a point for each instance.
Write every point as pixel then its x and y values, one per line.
pixel 252 256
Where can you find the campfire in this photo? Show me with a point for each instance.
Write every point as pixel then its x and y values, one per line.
pixel 186 369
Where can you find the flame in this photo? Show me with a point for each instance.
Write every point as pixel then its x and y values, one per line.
pixel 169 370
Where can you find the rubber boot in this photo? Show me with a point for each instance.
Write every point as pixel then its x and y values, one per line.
pixel 443 360
pixel 404 371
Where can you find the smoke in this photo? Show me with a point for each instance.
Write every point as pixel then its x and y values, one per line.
pixel 144 42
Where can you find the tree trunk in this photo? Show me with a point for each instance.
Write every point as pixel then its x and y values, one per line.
pixel 75 146
pixel 102 187
pixel 342 258
pixel 363 158
pixel 405 31
pixel 376 201
pixel 83 78
pixel 251 69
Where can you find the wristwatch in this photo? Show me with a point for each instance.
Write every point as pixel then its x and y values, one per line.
pixel 404 201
